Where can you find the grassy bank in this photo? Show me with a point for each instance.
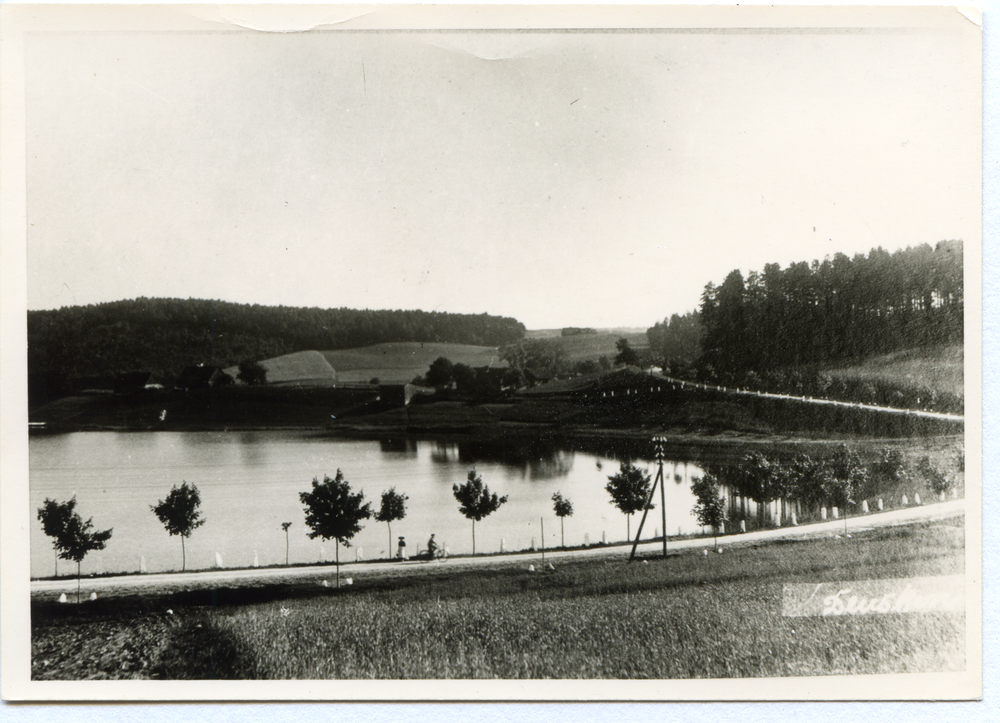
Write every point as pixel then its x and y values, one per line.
pixel 940 369
pixel 687 616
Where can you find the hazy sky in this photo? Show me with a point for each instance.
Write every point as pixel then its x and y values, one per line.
pixel 588 179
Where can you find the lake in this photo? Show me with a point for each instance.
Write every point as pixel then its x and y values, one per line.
pixel 250 484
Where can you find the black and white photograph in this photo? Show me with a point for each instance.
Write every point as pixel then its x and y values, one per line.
pixel 492 353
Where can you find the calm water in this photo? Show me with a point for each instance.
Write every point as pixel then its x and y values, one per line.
pixel 250 482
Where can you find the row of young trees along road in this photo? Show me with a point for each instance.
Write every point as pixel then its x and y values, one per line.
pixel 334 512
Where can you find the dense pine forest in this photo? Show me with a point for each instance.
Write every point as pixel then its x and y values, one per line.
pixel 811 314
pixel 163 336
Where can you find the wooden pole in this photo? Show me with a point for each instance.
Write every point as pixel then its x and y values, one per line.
pixel 645 511
pixel 658 442
pixel 663 497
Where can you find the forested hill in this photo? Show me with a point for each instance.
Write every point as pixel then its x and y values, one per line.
pixel 840 308
pixel 165 335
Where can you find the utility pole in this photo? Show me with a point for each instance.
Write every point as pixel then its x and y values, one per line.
pixel 658 444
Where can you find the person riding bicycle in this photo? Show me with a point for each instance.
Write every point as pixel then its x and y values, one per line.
pixel 432 547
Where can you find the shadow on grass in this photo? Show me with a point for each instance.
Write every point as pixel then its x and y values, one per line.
pixel 199 650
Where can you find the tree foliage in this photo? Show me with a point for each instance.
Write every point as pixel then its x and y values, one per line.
pixel 677 341
pixel 710 507
pixel 164 336
pixel 440 373
pixel 761 480
pixel 626 354
pixel 563 509
pixel 252 373
pixel 54 517
pixel 393 508
pixel 890 467
pixel 73 538
pixel 562 506
pixel 840 478
pixel 629 489
pixel 938 482
pixel 334 512
pixel 179 514
pixel 846 477
pixel 838 308
pixel 535 356
pixel 476 501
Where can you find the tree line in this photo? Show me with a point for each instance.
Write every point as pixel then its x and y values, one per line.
pixel 836 309
pixel 841 480
pixel 165 335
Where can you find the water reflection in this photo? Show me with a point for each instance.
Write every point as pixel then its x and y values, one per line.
pixel 399 446
pixel 445 453
pixel 251 450
pixel 534 458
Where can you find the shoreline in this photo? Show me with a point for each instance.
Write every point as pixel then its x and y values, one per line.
pixel 516 431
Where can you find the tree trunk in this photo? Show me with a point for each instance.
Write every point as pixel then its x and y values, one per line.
pixel 183 555
pixel 473 537
pixel 77 582
pixel 389 553
pixel 286 548
pixel 55 554
pixel 336 546
pixel 628 528
pixel 562 532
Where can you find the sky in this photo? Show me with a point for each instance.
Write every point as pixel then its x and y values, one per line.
pixel 564 179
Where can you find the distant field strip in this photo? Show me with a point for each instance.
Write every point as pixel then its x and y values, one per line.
pixel 297 367
pixel 401 361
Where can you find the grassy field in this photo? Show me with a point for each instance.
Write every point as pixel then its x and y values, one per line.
pixel 940 368
pixel 593 346
pixel 402 361
pixel 630 332
pixel 303 366
pixel 688 616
